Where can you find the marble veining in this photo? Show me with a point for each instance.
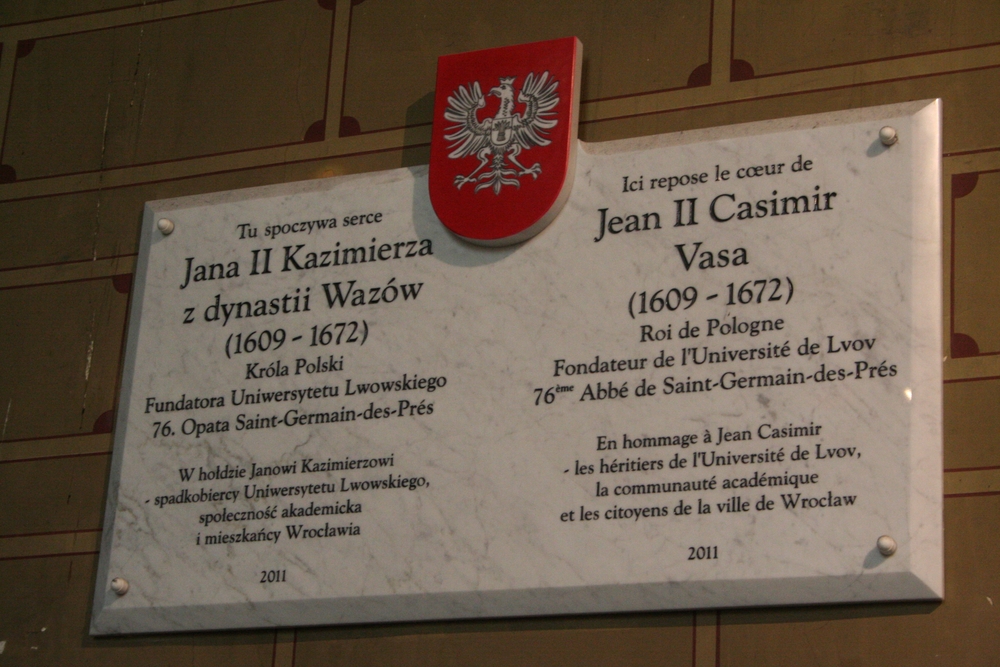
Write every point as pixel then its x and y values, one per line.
pixel 710 382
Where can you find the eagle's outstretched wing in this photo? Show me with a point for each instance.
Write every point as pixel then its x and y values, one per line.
pixel 468 135
pixel 539 94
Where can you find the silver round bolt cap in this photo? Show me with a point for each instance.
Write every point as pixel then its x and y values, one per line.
pixel 165 226
pixel 887 135
pixel 886 545
pixel 119 586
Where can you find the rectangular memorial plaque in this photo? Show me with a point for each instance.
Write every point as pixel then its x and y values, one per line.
pixel 713 381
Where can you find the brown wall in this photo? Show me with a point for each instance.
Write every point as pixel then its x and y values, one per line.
pixel 109 103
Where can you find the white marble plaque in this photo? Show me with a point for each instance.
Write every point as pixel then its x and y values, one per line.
pixel 713 381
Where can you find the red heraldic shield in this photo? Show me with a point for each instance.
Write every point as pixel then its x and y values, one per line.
pixel 503 148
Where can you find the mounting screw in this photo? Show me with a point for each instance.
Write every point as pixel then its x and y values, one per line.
pixel 119 585
pixel 165 226
pixel 887 135
pixel 886 546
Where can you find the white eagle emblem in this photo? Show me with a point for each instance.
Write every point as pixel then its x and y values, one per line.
pixel 503 137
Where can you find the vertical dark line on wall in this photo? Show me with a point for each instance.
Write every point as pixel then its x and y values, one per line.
pixel 711 30
pixel 951 275
pixel 116 397
pixel 960 344
pixel 694 639
pixel 718 639
pixel 329 62
pixel 732 34
pixel 6 122
pixel 347 59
